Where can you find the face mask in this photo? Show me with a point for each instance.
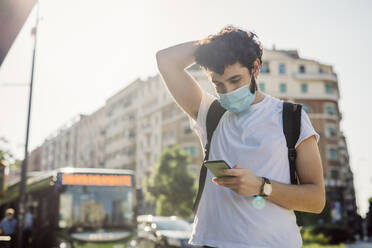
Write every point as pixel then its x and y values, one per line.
pixel 238 100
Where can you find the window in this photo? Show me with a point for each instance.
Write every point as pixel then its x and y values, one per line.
pixel 283 88
pixel 262 87
pixel 305 107
pixel 131 116
pixel 329 89
pixel 132 133
pixel 109 113
pixel 334 174
pixel 330 109
pixel 301 69
pixel 332 154
pixel 170 134
pixel 304 88
pixel 281 68
pixel 127 102
pixel 265 67
pixel 331 132
pixel 191 150
pixel 186 128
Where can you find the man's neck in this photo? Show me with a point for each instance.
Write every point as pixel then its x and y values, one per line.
pixel 259 97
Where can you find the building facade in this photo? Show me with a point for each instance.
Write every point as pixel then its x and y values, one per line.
pixel 121 112
pixel 34 159
pixel 78 143
pixel 91 140
pixel 141 121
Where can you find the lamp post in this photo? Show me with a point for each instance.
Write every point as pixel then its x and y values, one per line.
pixel 22 187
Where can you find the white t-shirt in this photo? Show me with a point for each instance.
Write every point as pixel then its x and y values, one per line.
pixel 253 139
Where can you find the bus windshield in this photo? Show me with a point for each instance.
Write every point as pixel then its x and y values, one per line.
pixel 96 206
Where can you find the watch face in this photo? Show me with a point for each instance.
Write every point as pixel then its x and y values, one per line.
pixel 267 189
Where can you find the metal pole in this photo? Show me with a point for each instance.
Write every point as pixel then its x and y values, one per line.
pixel 21 206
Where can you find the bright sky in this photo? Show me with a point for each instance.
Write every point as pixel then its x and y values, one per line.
pixel 88 50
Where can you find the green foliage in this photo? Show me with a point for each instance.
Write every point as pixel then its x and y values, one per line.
pixel 170 186
pixel 326 234
pixel 309 238
pixel 324 246
pixel 6 159
pixel 5 156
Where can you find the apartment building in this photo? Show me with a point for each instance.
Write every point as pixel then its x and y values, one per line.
pixel 34 159
pixel 60 148
pixel 91 140
pixel 48 154
pixel 78 143
pixel 141 120
pixel 121 112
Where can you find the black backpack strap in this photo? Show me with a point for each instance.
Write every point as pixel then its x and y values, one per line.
pixel 291 129
pixel 214 115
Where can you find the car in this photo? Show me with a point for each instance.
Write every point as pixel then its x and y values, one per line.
pixel 163 232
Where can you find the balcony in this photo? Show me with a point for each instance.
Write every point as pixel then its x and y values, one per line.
pixel 332 77
pixel 169 141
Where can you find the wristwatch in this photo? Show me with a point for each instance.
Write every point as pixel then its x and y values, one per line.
pixel 266 188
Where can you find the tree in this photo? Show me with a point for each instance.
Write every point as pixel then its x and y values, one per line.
pixel 5 155
pixel 6 159
pixel 170 185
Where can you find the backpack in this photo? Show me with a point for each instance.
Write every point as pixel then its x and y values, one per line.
pixel 291 129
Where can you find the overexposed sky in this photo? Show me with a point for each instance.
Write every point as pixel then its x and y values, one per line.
pixel 90 49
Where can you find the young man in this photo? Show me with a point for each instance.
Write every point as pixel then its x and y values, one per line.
pixel 249 137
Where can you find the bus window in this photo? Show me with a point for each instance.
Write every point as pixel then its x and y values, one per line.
pixel 96 207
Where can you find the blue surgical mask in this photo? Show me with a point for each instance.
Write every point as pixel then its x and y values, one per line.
pixel 238 100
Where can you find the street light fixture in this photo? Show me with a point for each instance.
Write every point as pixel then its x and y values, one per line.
pixel 22 189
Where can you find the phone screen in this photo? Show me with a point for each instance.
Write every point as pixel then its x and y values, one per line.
pixel 216 165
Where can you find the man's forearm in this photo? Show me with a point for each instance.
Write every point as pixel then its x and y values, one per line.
pixel 302 197
pixel 181 55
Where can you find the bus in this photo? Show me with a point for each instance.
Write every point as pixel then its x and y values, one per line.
pixel 79 207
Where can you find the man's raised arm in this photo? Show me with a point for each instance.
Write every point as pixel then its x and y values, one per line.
pixel 172 63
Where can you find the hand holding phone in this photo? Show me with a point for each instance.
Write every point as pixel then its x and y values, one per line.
pixel 215 166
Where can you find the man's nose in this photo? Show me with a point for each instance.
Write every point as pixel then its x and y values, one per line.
pixel 229 88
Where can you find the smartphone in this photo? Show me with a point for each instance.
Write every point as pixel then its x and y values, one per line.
pixel 215 166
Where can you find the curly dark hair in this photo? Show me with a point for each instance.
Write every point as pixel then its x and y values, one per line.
pixel 227 47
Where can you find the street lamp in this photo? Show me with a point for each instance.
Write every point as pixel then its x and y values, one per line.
pixel 21 206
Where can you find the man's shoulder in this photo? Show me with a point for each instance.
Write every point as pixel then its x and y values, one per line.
pixel 273 104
